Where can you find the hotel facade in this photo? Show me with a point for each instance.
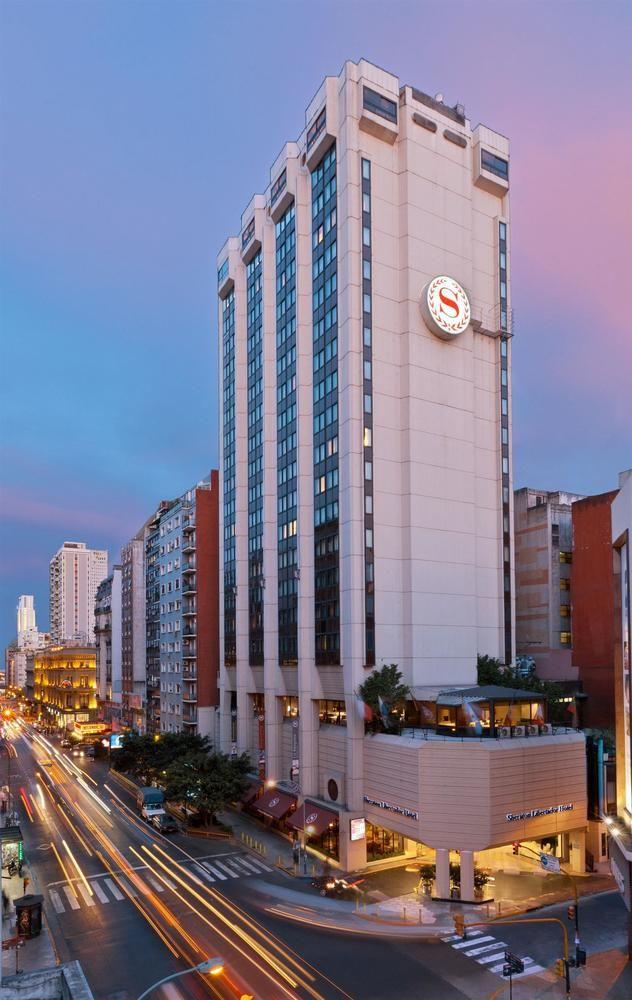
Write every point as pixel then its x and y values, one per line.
pixel 367 507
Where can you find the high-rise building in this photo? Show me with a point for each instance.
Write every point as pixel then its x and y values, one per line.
pixel 26 625
pixel 75 573
pixel 543 524
pixel 182 567
pixel 107 612
pixel 133 630
pixel 365 356
pixel 621 825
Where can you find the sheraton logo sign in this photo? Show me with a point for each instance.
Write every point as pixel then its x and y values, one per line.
pixel 534 813
pixel 445 307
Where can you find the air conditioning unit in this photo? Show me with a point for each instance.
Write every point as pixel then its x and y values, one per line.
pixel 546 729
pixel 503 732
pixel 533 730
pixel 517 730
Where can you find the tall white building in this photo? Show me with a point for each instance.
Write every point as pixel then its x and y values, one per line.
pixel 26 625
pixel 75 573
pixel 365 352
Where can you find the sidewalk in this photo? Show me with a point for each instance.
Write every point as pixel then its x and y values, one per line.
pixel 34 953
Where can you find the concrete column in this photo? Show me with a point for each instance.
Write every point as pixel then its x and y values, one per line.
pixel 577 851
pixel 467 876
pixel 442 887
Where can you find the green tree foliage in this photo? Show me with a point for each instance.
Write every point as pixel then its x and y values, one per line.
pixel 207 782
pixel 385 694
pixel 147 758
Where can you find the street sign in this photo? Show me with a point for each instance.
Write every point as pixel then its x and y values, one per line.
pixel 514 965
pixel 550 863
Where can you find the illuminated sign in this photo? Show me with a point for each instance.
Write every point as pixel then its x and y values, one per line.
pixel 534 813
pixel 116 741
pixel 358 829
pixel 445 307
pixel 400 810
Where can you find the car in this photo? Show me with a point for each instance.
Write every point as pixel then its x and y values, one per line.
pixel 65 744
pixel 164 823
pixel 83 750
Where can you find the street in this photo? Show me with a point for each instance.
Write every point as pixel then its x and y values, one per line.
pixel 112 887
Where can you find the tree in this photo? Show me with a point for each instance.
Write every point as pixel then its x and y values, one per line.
pixel 147 758
pixel 386 696
pixel 207 782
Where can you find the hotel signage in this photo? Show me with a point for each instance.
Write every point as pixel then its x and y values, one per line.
pixel 535 813
pixel 445 307
pixel 389 807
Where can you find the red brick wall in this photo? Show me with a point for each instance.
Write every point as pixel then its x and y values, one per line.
pixel 593 606
pixel 207 556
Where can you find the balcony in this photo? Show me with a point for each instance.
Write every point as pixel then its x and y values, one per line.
pixel 190 652
pixel 189 586
pixel 189 631
pixel 189 566
pixel 189 716
pixel 189 674
pixel 190 611
pixel 189 544
pixel 189 525
pixel 190 697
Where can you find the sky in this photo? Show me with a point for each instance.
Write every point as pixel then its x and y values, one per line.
pixel 132 135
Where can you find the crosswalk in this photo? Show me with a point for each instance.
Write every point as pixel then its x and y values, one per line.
pixel 489 952
pixel 76 895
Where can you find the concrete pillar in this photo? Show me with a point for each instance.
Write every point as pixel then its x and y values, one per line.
pixel 352 852
pixel 442 873
pixel 467 876
pixel 577 851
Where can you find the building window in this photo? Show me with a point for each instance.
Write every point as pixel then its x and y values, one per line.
pixel 565 556
pixel 332 713
pixel 494 164
pixel 254 355
pixel 379 105
pixel 290 707
pixel 565 638
pixel 229 497
pixel 367 440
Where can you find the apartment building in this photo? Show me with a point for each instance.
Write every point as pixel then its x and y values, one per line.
pixel 543 524
pixel 107 613
pixel 134 633
pixel 366 518
pixel 75 573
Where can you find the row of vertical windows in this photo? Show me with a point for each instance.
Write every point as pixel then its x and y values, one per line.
pixel 367 439
pixel 325 411
pixel 504 431
pixel 254 344
pixel 287 541
pixel 230 565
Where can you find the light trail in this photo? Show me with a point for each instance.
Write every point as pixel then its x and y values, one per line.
pixel 64 870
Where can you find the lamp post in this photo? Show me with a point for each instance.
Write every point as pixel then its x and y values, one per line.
pixel 214 966
pixel 307 830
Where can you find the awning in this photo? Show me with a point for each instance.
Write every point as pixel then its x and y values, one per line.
pixel 315 818
pixel 252 791
pixel 275 803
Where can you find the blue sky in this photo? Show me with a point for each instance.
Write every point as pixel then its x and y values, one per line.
pixel 134 133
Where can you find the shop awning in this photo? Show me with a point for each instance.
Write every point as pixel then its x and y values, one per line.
pixel 252 791
pixel 316 818
pixel 275 803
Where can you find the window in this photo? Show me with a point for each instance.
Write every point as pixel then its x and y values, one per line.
pixel 565 584
pixel 565 610
pixel 332 713
pixel 379 105
pixel 367 437
pixel 566 557
pixel 565 638
pixel 494 164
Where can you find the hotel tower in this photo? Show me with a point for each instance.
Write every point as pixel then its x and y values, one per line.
pixel 365 359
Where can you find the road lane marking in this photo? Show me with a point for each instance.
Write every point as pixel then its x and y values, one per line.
pixel 86 895
pixel 114 889
pixel 157 886
pixel 459 937
pixel 485 947
pixel 468 944
pixel 128 888
pixel 256 861
pixel 70 896
pixel 214 871
pixel 224 866
pixel 56 901
pixel 492 958
pixel 531 970
pixel 99 892
pixel 247 864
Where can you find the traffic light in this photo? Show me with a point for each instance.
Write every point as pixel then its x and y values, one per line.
pixel 559 967
pixel 580 957
pixel 516 848
pixel 571 913
pixel 459 924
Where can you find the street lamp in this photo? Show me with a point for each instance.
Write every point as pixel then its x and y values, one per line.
pixel 214 966
pixel 307 831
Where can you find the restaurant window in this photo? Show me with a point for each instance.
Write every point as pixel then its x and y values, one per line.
pixel 332 713
pixel 290 707
pixel 446 716
pixel 258 704
pixel 381 843
pixel 473 718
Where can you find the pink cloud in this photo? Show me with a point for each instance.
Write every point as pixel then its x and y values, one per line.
pixel 19 506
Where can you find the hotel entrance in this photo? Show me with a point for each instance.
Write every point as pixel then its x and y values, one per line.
pixel 382 844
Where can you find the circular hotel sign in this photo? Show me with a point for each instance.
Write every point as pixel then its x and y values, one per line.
pixel 445 307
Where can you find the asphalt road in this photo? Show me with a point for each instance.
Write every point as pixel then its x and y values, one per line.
pixel 149 907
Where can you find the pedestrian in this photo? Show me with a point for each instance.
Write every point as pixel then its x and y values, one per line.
pixel 5 903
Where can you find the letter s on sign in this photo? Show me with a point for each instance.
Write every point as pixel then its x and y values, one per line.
pixel 446 299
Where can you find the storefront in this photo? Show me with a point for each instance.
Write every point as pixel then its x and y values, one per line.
pixel 319 826
pixel 275 805
pixel 382 843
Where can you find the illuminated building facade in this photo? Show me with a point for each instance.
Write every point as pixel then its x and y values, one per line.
pixel 65 684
